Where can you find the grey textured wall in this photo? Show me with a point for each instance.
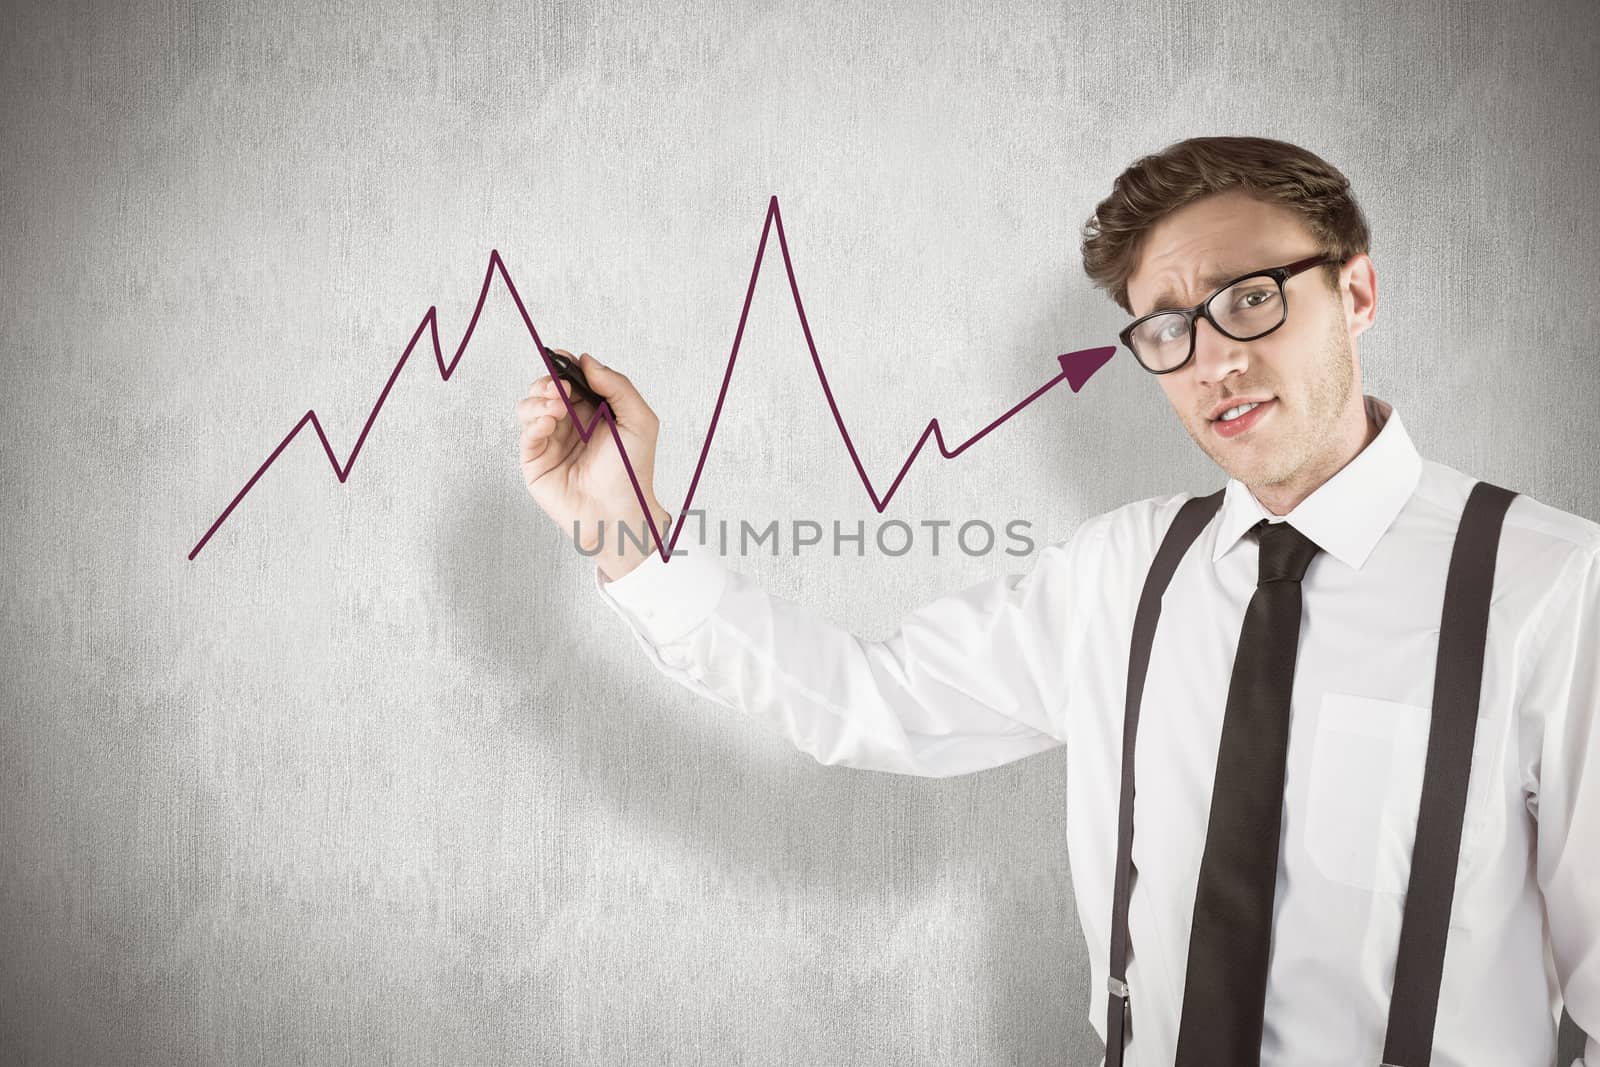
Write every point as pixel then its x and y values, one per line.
pixel 374 778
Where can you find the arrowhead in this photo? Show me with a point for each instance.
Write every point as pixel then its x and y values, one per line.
pixel 1079 366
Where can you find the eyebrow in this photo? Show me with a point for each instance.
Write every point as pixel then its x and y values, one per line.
pixel 1168 301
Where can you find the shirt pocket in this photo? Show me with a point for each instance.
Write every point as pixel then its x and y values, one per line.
pixel 1365 790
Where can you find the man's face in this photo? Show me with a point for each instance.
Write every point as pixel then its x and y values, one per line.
pixel 1307 372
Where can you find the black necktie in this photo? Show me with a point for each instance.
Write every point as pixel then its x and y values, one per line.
pixel 1225 989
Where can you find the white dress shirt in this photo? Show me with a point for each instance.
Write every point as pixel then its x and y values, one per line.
pixel 1023 662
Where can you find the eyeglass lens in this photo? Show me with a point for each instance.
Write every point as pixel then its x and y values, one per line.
pixel 1248 308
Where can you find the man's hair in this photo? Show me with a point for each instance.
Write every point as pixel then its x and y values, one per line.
pixel 1274 172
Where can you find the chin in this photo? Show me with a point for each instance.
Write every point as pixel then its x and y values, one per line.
pixel 1248 473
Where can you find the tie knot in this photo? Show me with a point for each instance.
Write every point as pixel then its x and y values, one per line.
pixel 1285 552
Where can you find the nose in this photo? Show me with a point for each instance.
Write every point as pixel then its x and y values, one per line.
pixel 1217 355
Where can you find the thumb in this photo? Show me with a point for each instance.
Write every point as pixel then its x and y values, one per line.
pixel 617 389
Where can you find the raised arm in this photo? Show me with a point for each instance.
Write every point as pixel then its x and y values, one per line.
pixel 971 680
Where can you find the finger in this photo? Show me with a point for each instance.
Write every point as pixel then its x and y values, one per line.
pixel 565 430
pixel 548 445
pixel 580 405
pixel 618 391
pixel 535 439
pixel 580 402
pixel 530 408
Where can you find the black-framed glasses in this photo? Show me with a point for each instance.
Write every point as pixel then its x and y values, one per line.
pixel 1250 306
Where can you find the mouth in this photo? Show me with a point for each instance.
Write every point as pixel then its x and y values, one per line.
pixel 1245 420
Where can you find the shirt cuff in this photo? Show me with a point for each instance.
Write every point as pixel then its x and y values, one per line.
pixel 665 600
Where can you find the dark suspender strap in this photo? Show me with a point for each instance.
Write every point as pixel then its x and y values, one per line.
pixel 1192 517
pixel 1458 678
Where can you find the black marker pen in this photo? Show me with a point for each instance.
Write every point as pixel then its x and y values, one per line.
pixel 567 369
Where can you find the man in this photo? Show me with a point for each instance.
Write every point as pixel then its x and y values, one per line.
pixel 1261 251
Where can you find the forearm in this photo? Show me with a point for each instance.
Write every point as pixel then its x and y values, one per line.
pixel 951 692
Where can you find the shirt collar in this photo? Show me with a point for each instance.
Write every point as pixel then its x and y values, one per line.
pixel 1348 513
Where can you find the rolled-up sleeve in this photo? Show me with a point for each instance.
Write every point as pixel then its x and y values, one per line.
pixel 969 681
pixel 1566 697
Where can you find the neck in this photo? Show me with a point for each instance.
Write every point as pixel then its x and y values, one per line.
pixel 1283 497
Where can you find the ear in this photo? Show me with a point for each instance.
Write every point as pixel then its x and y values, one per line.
pixel 1358 290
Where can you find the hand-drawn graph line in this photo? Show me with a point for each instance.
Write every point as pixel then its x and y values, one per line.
pixel 1076 369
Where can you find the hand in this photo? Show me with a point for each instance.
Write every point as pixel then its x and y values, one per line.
pixel 581 482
